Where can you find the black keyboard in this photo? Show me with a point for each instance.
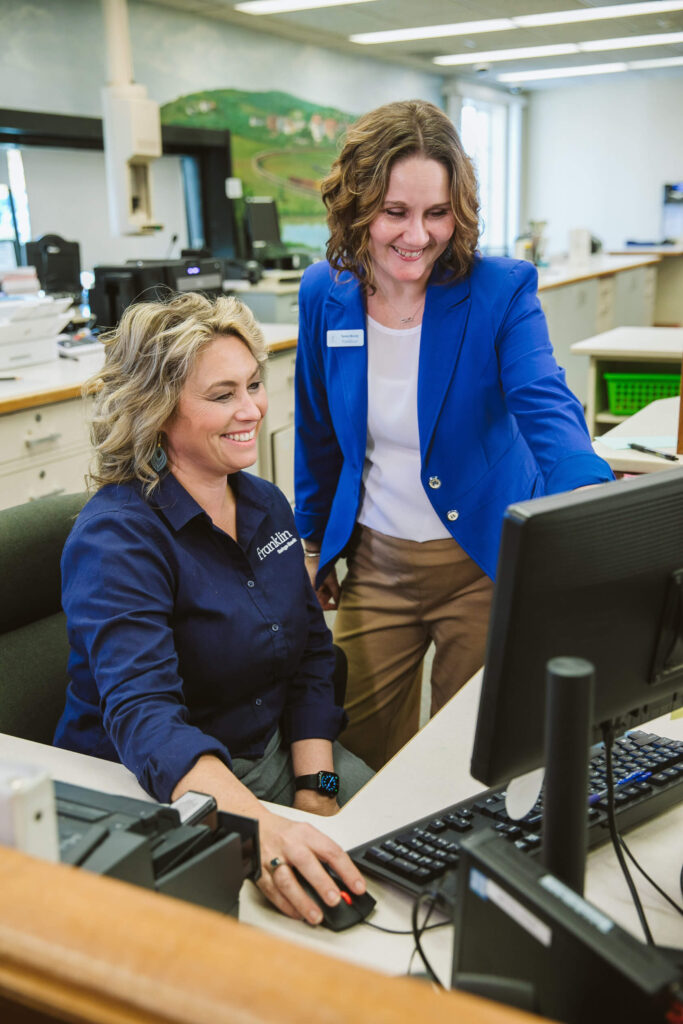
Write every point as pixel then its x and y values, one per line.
pixel 420 856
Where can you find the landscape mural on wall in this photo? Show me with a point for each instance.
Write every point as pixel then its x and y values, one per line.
pixel 282 146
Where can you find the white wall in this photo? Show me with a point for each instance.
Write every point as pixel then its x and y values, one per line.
pixel 599 154
pixel 54 59
pixel 68 197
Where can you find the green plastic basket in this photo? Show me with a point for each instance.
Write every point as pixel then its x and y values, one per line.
pixel 629 392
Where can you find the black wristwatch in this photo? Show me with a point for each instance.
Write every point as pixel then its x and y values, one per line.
pixel 326 783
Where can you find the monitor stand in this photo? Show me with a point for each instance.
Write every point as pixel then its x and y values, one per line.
pixel 569 711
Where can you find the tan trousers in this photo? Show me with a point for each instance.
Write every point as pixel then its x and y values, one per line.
pixel 398 597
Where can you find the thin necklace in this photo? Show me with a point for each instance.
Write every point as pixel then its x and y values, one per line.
pixel 403 319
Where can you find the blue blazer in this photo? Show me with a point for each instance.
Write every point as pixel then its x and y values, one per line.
pixel 496 419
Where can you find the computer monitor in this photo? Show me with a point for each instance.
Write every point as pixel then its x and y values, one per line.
pixel 595 574
pixel 117 286
pixel 262 224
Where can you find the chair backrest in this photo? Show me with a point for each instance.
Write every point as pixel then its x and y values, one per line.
pixel 34 648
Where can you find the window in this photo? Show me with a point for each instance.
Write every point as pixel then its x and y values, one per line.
pixel 490 129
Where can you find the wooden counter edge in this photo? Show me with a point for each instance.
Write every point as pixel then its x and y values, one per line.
pixel 78 947
pixel 45 397
pixel 283 346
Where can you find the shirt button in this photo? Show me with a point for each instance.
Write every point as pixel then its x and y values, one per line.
pixel 258 702
pixel 275 627
pixel 434 482
pixel 250 583
pixel 452 515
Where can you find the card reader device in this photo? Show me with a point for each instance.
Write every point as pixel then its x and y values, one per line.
pixel 188 849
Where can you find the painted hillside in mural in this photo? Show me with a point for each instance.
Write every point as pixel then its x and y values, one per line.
pixel 282 146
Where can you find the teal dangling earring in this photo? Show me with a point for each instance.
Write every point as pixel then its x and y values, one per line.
pixel 159 461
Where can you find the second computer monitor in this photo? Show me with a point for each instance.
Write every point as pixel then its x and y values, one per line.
pixel 595 574
pixel 262 224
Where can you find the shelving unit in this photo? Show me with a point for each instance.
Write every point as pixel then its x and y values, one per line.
pixel 625 350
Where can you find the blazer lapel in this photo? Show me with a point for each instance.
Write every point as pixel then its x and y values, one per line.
pixel 444 321
pixel 348 365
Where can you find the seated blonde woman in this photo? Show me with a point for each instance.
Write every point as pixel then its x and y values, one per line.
pixel 199 654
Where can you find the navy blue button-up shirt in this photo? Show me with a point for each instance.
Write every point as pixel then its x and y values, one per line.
pixel 185 642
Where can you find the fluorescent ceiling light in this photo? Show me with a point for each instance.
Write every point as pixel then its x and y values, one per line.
pixel 597 13
pixel 525 52
pixel 461 28
pixel 534 76
pixel 519 53
pixel 521 21
pixel 661 62
pixel 284 6
pixel 630 42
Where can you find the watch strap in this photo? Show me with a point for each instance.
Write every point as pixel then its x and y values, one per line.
pixel 323 782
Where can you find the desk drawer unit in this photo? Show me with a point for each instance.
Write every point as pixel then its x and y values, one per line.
pixel 33 433
pixel 50 476
pixel 43 450
pixel 276 460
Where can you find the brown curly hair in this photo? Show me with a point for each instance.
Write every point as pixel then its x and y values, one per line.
pixel 354 190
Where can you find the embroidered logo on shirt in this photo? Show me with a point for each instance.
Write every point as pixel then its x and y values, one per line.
pixel 279 542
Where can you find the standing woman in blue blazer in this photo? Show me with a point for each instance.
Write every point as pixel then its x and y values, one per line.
pixel 428 399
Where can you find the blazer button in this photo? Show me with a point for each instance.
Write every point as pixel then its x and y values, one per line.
pixel 434 482
pixel 452 515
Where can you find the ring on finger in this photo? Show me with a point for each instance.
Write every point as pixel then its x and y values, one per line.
pixel 276 863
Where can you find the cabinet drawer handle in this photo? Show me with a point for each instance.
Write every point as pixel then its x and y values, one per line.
pixel 50 494
pixel 31 442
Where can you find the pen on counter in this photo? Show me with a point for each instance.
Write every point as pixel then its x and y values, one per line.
pixel 10 378
pixel 638 776
pixel 652 451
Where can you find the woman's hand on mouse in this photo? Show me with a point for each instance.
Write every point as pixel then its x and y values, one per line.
pixel 290 844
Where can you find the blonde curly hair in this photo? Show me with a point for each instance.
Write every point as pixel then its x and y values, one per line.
pixel 148 358
pixel 354 190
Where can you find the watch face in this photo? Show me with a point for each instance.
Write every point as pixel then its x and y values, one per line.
pixel 328 783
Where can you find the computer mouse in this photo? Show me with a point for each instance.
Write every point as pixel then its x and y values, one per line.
pixel 351 909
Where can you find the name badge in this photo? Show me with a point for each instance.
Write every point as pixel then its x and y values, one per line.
pixel 346 339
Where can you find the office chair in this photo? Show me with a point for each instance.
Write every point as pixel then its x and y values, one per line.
pixel 34 649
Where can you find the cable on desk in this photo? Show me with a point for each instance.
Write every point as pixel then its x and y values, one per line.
pixel 651 880
pixel 608 740
pixel 417 934
pixel 406 931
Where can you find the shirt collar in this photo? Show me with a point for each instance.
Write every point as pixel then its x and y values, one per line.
pixel 179 507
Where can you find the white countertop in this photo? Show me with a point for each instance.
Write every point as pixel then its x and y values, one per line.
pixel 430 772
pixel 655 426
pixel 655 250
pixel 61 378
pixel 634 343
pixel 558 274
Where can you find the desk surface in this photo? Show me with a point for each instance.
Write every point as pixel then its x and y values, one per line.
pixel 429 773
pixel 62 379
pixel 600 265
pixel 654 425
pixel 634 343
pixel 655 250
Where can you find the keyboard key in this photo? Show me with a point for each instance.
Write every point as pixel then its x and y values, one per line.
pixel 379 856
pixel 455 821
pixel 437 825
pixel 396 848
pixel 404 867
